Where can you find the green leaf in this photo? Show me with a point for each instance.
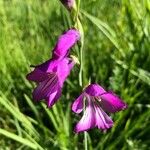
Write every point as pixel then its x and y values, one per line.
pixel 105 29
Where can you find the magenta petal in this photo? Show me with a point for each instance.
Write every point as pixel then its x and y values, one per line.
pixel 112 103
pixel 71 64
pixel 77 105
pixel 103 121
pixel 44 66
pixel 37 75
pixel 87 121
pixel 45 88
pixel 63 70
pixel 65 42
pixel 61 67
pixel 94 90
pixel 53 97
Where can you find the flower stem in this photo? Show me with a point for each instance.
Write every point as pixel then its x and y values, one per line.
pixel 78 25
pixel 85 133
pixel 85 141
pixel 81 65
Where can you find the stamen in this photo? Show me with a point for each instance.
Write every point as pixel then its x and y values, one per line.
pixel 97 101
pixel 98 98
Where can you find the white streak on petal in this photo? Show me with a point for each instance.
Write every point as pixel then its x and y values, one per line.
pixel 103 121
pixel 88 120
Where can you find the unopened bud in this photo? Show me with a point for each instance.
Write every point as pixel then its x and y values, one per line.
pixel 69 4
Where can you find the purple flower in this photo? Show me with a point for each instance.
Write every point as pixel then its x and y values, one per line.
pixel 65 42
pixel 97 103
pixel 50 77
pixel 68 3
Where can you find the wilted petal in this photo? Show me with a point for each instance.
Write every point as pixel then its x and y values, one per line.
pixel 65 42
pixel 94 90
pixel 112 103
pixel 77 105
pixel 103 121
pixel 87 121
pixel 45 88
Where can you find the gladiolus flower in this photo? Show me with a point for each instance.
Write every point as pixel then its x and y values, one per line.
pixel 50 77
pixel 98 103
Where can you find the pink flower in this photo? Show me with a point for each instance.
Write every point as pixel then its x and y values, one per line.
pixel 97 103
pixel 50 77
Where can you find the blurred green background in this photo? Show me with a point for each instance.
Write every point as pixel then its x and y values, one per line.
pixel 116 55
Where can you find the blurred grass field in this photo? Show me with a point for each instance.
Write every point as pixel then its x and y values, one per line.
pixel 116 55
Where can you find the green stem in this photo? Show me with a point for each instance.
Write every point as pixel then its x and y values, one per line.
pixel 81 65
pixel 85 141
pixel 78 25
pixel 78 8
pixel 85 133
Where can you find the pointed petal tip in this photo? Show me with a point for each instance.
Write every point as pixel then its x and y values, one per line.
pixel 35 96
pixel 37 75
pixel 79 129
pixel 28 77
pixel 112 103
pixel 77 105
pixel 105 128
pixel 49 105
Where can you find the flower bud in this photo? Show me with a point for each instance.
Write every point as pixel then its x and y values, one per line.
pixel 68 3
